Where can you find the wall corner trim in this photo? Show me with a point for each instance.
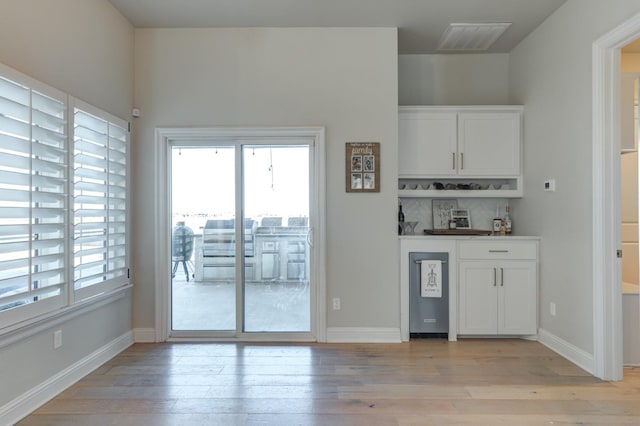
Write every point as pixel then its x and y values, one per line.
pixel 363 335
pixel 573 353
pixel 29 401
pixel 144 335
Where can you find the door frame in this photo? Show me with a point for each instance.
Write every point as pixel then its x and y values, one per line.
pixel 165 136
pixel 607 277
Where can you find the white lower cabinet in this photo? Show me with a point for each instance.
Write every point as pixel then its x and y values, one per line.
pixel 498 287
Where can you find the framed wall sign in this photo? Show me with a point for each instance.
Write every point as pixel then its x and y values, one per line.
pixel 362 166
pixel 441 210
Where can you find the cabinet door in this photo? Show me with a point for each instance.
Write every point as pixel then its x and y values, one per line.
pixel 427 144
pixel 489 144
pixel 478 298
pixel 517 298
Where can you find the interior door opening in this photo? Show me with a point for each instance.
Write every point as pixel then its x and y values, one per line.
pixel 630 188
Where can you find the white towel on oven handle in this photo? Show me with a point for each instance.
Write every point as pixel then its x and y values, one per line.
pixel 431 278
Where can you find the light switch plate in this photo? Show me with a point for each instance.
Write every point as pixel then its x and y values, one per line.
pixel 550 185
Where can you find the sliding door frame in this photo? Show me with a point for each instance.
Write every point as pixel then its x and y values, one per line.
pixel 165 139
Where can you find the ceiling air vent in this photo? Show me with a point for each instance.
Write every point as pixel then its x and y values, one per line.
pixel 471 37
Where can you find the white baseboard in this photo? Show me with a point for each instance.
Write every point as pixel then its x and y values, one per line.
pixel 29 401
pixel 144 335
pixel 363 335
pixel 574 354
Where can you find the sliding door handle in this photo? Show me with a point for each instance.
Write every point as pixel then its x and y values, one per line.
pixel 310 237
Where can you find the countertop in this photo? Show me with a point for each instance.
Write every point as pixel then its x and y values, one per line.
pixel 467 237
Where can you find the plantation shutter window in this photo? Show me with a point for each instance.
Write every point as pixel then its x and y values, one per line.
pixel 63 201
pixel 33 198
pixel 100 152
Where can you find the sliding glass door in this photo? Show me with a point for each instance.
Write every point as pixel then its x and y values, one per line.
pixel 203 263
pixel 276 216
pixel 240 246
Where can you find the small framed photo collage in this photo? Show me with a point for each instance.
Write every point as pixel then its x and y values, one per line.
pixel 362 166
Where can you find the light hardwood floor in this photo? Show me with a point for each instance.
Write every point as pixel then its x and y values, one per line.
pixel 424 382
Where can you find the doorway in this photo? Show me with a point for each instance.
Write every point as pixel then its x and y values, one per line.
pixel 607 309
pixel 244 234
pixel 629 85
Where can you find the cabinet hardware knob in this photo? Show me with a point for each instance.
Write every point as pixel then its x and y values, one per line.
pixel 495 277
pixel 453 159
pixel 501 277
pixel 498 251
pixel 461 160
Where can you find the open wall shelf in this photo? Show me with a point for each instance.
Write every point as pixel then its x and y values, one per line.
pixel 459 188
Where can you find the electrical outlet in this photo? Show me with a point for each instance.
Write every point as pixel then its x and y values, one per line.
pixel 552 309
pixel 336 303
pixel 57 339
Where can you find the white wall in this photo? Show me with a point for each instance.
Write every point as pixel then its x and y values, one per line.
pixel 630 62
pixel 454 79
pixel 83 48
pixel 550 73
pixel 343 79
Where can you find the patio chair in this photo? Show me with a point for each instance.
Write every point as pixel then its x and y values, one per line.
pixel 181 248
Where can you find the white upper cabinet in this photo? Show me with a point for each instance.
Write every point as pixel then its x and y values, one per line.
pixel 460 142
pixel 460 151
pixel 489 144
pixel 427 143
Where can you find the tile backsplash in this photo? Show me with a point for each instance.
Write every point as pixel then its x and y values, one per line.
pixel 481 210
